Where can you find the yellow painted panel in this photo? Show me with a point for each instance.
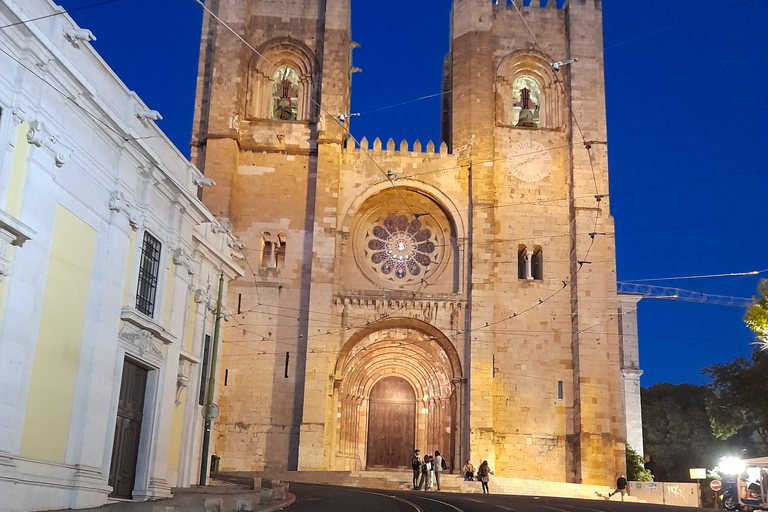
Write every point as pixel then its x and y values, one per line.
pixel 190 323
pixel 168 293
pixel 54 371
pixel 174 444
pixel 18 171
pixel 129 270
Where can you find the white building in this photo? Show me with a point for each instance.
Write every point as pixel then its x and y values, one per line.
pixel 630 370
pixel 108 262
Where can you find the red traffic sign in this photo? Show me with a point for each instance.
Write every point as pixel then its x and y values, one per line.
pixel 715 485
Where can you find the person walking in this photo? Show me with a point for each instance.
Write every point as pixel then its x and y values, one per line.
pixel 416 466
pixel 437 466
pixel 621 486
pixel 483 474
pixel 469 471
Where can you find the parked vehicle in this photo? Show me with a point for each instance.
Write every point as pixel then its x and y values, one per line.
pixel 746 489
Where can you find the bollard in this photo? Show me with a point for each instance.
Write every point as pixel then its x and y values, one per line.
pixel 265 497
pixel 243 505
pixel 213 505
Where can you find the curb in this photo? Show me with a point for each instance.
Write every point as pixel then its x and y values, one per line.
pixel 290 499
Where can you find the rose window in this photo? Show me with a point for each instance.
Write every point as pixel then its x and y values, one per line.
pixel 401 248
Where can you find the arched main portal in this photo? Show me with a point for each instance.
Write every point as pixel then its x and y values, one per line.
pixel 379 362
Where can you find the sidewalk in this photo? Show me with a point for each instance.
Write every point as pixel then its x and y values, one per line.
pixel 193 500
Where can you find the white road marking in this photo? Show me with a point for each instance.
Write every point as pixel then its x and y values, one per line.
pixel 441 502
pixel 415 506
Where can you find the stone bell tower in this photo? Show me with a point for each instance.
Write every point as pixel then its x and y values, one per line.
pixel 526 116
pixel 266 131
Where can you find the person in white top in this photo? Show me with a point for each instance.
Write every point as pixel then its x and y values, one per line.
pixel 437 466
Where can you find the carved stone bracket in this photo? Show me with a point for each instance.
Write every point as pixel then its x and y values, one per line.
pixel 237 248
pixel 182 378
pixel 181 257
pixel 118 203
pixel 19 116
pixel 39 136
pixel 12 232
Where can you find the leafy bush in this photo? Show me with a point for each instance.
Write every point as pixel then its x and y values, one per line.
pixel 635 470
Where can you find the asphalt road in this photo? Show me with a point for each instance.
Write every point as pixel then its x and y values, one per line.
pixel 324 498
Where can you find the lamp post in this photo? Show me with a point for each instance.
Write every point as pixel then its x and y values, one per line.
pixel 210 411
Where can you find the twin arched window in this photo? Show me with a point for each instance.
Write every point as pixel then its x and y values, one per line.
pixel 530 263
pixel 273 251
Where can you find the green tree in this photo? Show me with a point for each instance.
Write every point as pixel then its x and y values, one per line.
pixel 635 470
pixel 739 399
pixel 756 317
pixel 677 432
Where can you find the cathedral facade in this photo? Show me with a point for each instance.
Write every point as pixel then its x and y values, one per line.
pixel 458 296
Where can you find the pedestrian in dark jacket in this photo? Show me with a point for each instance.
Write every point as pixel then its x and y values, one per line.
pixel 416 466
pixel 621 486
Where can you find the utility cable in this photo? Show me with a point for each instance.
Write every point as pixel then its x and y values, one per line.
pixel 32 20
pixel 308 93
pixel 708 276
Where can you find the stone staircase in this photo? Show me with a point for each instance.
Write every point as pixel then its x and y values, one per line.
pixel 401 480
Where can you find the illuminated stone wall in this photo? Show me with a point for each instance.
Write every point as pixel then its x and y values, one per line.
pixel 534 363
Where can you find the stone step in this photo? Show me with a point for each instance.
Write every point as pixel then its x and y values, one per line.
pixel 401 480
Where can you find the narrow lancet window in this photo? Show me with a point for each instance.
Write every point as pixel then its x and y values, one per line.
pixel 285 94
pixel 526 102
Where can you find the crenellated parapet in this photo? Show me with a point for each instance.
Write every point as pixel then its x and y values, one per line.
pixel 402 148
pixel 403 160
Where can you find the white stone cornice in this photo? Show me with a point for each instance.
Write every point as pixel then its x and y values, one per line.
pixel 130 315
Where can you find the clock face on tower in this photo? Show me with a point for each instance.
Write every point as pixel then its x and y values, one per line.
pixel 529 161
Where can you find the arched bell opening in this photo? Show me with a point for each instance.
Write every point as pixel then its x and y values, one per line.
pixel 378 424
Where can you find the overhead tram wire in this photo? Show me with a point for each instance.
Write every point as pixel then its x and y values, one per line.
pixel 68 11
pixel 707 276
pixel 719 11
pixel 607 142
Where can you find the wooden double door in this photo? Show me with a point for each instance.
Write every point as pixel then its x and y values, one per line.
pixel 391 424
pixel 130 412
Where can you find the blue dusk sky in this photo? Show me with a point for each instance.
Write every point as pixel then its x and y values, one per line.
pixel 686 86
